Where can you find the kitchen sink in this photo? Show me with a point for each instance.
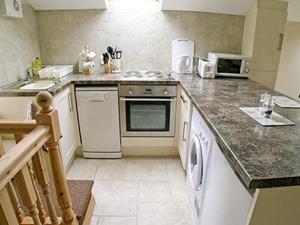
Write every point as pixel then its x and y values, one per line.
pixel 38 85
pixel 33 85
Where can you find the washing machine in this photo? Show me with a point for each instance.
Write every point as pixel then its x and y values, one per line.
pixel 200 144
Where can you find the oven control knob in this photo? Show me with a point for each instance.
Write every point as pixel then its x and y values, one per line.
pixel 130 92
pixel 166 92
pixel 247 70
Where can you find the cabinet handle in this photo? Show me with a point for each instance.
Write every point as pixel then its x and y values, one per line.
pixel 182 99
pixel 70 102
pixel 184 131
pixel 280 41
pixel 96 100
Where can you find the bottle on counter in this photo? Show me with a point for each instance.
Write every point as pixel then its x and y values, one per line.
pixel 36 66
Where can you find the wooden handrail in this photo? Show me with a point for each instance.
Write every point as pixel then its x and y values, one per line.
pixel 12 162
pixel 44 131
pixel 16 126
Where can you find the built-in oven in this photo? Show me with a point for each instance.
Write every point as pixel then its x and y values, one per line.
pixel 147 110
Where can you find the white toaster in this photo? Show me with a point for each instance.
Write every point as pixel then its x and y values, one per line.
pixel 206 69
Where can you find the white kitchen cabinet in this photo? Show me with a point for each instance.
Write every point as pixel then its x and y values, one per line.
pixel 263 36
pixel 64 103
pixel 184 126
pixel 226 200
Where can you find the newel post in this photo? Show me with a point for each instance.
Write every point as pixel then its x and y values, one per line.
pixel 48 116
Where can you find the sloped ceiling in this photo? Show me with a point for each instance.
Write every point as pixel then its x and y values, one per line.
pixel 67 4
pixel 235 7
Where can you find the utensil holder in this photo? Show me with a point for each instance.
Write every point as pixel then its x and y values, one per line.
pixel 116 65
pixel 107 68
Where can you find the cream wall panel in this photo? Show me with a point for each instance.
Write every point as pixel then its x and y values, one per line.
pixel 288 78
pixel 276 206
pixel 249 31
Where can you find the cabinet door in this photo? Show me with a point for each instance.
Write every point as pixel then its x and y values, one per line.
pixel 268 39
pixel 69 141
pixel 184 125
pixel 226 201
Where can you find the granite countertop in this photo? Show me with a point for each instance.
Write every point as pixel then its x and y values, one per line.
pixel 262 157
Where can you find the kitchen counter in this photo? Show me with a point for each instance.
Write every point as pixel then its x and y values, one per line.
pixel 262 157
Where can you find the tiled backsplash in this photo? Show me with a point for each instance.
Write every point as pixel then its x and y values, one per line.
pixel 144 35
pixel 19 45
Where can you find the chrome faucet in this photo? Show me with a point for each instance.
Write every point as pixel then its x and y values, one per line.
pixel 29 73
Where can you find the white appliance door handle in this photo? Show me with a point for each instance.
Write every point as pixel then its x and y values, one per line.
pixel 95 100
pixel 147 99
pixel 185 125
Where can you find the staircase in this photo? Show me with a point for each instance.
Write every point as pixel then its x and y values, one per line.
pixel 32 192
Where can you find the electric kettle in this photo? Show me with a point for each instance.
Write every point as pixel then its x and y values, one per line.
pixel 183 64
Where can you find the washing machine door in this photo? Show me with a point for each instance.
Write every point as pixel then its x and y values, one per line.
pixel 195 163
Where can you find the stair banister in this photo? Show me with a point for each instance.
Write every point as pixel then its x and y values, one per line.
pixel 48 116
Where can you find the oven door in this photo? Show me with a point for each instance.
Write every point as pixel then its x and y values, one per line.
pixel 150 117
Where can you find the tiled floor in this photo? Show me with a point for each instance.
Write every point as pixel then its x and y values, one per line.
pixel 136 190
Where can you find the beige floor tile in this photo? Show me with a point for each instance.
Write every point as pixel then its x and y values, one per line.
pixel 132 168
pixel 83 169
pixel 115 198
pixel 117 221
pixel 173 213
pixel 109 170
pixel 95 220
pixel 146 169
pixel 177 180
pixel 154 191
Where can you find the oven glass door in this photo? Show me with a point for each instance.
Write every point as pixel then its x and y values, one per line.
pixel 229 66
pixel 149 117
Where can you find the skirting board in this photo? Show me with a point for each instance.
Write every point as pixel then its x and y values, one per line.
pixel 149 151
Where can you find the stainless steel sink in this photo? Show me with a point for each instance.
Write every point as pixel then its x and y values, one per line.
pixel 33 85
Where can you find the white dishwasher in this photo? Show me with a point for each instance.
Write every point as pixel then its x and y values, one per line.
pixel 98 117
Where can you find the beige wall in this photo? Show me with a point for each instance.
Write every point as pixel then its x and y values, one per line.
pixel 19 44
pixel 144 34
pixel 288 78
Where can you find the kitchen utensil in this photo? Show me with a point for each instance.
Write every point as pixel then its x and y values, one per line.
pixel 118 54
pixel 182 46
pixel 116 48
pixel 183 64
pixel 105 58
pixel 110 50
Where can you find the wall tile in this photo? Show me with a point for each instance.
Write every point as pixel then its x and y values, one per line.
pixel 19 45
pixel 144 35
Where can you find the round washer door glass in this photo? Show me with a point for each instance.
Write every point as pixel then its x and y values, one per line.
pixel 195 163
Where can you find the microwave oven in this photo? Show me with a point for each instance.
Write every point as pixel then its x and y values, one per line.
pixel 230 65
